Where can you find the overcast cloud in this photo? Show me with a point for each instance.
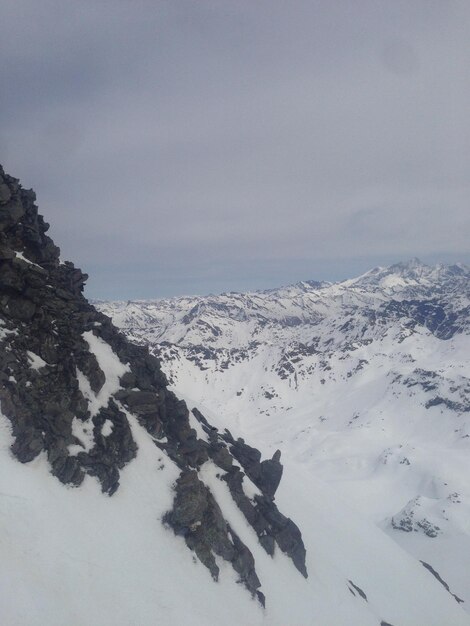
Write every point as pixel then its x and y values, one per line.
pixel 209 145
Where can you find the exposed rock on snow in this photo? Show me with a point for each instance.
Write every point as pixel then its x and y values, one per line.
pixel 62 361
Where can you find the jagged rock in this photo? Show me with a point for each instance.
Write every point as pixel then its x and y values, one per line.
pixel 17 307
pixel 5 193
pixel 221 456
pixel 50 379
pixel 10 213
pixel 271 474
pixel 251 511
pixel 141 402
pixel 265 474
pixel 128 380
pixel 436 575
pixel 87 363
pixel 197 517
pixel 27 445
pixel 10 278
pixel 262 514
pixel 244 563
pixel 110 453
pixel 286 533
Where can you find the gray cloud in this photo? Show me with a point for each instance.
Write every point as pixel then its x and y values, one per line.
pixel 200 146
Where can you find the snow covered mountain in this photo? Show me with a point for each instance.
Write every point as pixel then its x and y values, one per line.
pixel 120 507
pixel 363 384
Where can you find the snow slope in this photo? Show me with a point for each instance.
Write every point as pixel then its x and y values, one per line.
pixel 73 556
pixel 363 384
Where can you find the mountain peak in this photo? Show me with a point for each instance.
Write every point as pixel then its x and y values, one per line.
pixel 411 264
pixel 409 275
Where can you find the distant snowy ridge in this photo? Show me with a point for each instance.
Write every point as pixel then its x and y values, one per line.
pixel 438 296
pixel 364 383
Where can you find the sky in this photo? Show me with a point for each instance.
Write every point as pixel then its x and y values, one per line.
pixel 191 147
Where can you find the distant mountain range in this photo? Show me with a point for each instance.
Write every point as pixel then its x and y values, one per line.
pixel 363 383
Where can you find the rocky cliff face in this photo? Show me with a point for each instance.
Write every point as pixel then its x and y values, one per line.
pixel 70 383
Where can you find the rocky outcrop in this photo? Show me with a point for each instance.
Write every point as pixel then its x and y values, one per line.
pixel 265 474
pixel 260 511
pixel 197 516
pixel 63 403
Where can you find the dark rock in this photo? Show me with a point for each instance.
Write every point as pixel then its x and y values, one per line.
pixel 251 511
pixel 128 380
pixel 265 474
pixel 268 543
pixel 109 453
pixel 221 457
pixel 359 590
pixel 244 563
pixel 197 517
pixel 27 445
pixel 17 307
pixel 141 402
pixel 10 213
pixel 443 582
pixel 286 533
pixel 42 310
pixel 5 193
pixel 87 363
pixel 11 278
pixel 270 474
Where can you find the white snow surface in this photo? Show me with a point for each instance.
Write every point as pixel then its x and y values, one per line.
pixel 35 361
pixel 351 388
pixel 20 255
pixel 110 364
pixel 76 557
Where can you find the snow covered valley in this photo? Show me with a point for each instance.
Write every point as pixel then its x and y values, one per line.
pixel 364 386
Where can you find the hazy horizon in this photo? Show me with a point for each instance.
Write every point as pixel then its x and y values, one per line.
pixel 272 284
pixel 190 148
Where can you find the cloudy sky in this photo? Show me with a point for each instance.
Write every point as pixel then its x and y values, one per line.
pixel 208 145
